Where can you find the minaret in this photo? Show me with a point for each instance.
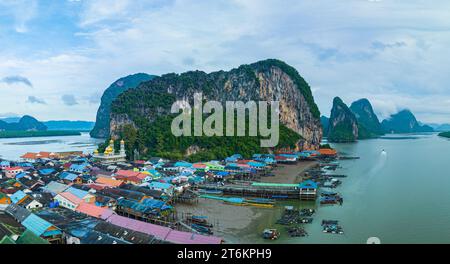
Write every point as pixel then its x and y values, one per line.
pixel 111 145
pixel 122 148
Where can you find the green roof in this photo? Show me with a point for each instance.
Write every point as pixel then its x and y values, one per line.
pixel 29 237
pixel 269 184
pixel 7 240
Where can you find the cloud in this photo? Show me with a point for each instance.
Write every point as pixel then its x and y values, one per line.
pixel 388 51
pixel 16 79
pixel 69 99
pixel 94 98
pixel 35 100
pixel 22 11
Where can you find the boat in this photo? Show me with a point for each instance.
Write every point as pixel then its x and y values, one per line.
pixel 260 201
pixel 202 229
pixel 271 234
pixel 329 222
pixel 333 229
pixel 305 220
pixel 296 232
pixel 307 212
pixel 205 191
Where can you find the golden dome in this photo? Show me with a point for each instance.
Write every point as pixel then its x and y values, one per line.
pixel 111 141
pixel 96 151
pixel 122 141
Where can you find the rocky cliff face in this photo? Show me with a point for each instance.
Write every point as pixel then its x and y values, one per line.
pixel 404 122
pixel 343 126
pixel 102 124
pixel 367 119
pixel 269 80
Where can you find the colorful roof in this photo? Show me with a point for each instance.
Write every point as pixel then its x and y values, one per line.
pixel 13 168
pixel 70 197
pixel 94 211
pixel 55 187
pixel 68 176
pixel 17 196
pixel 77 192
pixel 163 233
pixel 109 182
pixel 36 224
pixel 28 237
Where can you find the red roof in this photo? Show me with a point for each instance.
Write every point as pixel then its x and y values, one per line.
pixel 13 168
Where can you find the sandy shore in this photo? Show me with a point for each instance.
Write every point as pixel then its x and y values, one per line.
pixel 290 173
pixel 232 222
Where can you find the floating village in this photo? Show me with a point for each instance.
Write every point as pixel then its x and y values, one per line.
pixel 101 198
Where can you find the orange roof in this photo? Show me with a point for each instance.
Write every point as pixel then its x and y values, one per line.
pixel 109 181
pixel 29 155
pixel 327 152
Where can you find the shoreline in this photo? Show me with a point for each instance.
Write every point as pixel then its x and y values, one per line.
pixel 238 224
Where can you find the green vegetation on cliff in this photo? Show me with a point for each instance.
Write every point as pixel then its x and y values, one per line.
pixel 343 126
pixel 101 128
pixel 142 116
pixel 445 134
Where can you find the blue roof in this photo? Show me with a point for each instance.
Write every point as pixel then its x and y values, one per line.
pixel 68 176
pixel 160 185
pixel 183 164
pixel 17 196
pixel 21 175
pixel 46 171
pixel 5 163
pixel 308 184
pixel 152 203
pixel 256 164
pixel 76 167
pixel 77 192
pixel 36 224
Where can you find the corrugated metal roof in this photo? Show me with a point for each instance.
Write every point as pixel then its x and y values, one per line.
pixel 36 224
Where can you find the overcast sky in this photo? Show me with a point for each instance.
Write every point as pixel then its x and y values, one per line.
pixel 57 57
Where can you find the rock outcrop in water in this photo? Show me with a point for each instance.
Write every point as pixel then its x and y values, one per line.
pixel 137 111
pixel 343 125
pixel 404 122
pixel 369 125
pixel 101 128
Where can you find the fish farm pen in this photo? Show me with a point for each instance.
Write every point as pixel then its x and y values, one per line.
pixel 263 190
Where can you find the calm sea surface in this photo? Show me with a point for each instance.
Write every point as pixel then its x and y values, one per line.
pixel 13 148
pixel 402 196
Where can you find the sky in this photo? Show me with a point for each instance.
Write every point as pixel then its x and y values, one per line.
pixel 58 56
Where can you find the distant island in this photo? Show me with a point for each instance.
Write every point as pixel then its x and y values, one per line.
pixel 445 134
pixel 28 126
pixel 50 133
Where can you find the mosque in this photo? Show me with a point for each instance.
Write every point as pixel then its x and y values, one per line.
pixel 110 155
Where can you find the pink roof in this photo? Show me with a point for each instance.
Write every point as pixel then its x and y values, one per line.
pixel 162 232
pixel 127 173
pixel 72 198
pixel 94 211
pixel 143 227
